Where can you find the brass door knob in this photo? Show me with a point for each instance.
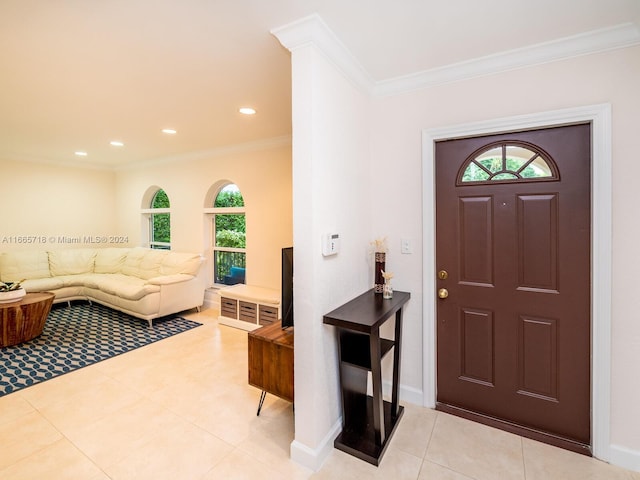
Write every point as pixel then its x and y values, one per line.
pixel 443 293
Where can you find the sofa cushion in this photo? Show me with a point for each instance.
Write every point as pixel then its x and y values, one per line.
pixel 94 281
pixel 110 259
pixel 249 293
pixel 72 261
pixel 151 262
pixel 75 280
pixel 124 286
pixel 16 266
pixel 131 264
pixel 177 262
pixel 169 279
pixel 42 284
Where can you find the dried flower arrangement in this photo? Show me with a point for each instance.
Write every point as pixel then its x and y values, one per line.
pixel 379 245
pixel 387 276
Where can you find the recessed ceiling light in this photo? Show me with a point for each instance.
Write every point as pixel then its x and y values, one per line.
pixel 247 111
pixel 169 131
pixel 81 154
pixel 116 143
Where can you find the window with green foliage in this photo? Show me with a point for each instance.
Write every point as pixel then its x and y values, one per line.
pixel 508 162
pixel 229 234
pixel 160 222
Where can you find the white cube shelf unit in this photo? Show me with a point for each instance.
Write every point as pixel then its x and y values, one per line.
pixel 248 307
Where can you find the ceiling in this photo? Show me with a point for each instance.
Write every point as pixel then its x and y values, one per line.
pixel 77 74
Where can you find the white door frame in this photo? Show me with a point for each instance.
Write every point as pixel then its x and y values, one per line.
pixel 600 118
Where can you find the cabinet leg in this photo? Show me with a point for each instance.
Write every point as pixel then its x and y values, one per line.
pixel 262 397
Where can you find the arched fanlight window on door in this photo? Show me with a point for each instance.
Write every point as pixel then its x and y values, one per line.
pixel 508 162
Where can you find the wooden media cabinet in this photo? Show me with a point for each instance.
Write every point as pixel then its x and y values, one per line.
pixel 271 361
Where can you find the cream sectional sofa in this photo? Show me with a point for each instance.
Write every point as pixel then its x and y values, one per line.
pixel 138 281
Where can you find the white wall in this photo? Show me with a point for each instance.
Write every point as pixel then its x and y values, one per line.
pixel 390 162
pixel 50 204
pixel 331 195
pixel 55 202
pixel 263 175
pixel 603 78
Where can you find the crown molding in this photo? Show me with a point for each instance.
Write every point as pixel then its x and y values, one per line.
pixel 619 36
pixel 21 158
pixel 312 30
pixel 253 146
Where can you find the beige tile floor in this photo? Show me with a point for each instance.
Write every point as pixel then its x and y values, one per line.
pixel 181 409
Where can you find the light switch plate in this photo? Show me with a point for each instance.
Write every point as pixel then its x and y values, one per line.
pixel 405 246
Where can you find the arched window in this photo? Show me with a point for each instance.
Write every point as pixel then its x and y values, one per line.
pixel 508 162
pixel 229 239
pixel 159 221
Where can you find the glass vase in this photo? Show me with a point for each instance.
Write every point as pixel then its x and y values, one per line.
pixel 387 290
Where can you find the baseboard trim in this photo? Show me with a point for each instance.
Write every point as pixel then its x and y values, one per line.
pixel 241 324
pixel 407 394
pixel 625 457
pixel 211 299
pixel 313 458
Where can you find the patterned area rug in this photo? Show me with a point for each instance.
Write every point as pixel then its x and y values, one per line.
pixel 76 337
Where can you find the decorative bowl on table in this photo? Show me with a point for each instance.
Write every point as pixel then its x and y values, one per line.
pixel 11 292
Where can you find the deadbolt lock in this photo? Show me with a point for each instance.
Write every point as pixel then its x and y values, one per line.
pixel 442 274
pixel 443 293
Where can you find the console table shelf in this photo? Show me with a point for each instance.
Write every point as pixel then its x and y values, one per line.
pixel 358 438
pixel 368 421
pixel 356 351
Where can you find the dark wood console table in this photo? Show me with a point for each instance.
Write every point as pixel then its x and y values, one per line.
pixel 271 361
pixel 368 422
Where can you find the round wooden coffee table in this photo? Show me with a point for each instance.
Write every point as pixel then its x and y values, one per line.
pixel 24 319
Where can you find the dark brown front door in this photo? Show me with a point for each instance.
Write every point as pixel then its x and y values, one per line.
pixel 513 314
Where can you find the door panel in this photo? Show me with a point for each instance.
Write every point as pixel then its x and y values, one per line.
pixel 476 346
pixel 537 359
pixel 537 220
pixel 476 240
pixel 513 335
